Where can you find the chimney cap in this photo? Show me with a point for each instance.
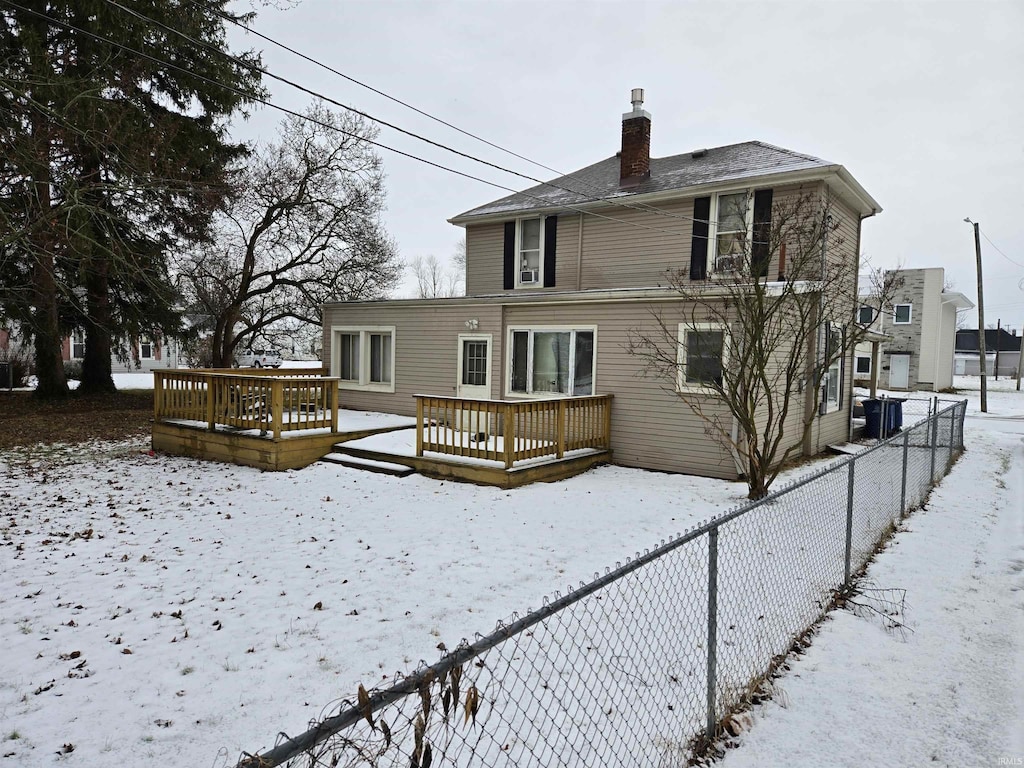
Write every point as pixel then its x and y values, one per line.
pixel 637 97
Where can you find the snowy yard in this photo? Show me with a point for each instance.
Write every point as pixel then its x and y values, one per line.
pixel 161 608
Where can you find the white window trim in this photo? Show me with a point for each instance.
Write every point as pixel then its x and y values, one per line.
pixel 682 385
pixel 489 340
pixel 837 365
pixel 71 351
pixel 910 314
pixel 572 364
pixel 856 358
pixel 364 384
pixel 539 282
pixel 152 348
pixel 713 228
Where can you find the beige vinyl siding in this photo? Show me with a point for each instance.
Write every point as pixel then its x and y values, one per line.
pixel 426 348
pixel 651 427
pixel 485 259
pixel 567 252
pixel 637 254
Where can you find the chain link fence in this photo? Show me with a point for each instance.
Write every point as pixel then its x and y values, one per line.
pixel 645 663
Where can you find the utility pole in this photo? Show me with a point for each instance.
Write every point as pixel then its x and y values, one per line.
pixel 999 343
pixel 981 319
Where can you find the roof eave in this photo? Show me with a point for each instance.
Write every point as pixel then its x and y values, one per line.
pixel 865 204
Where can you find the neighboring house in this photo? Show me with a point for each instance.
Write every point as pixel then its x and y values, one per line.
pixel 919 328
pixel 553 294
pixel 144 353
pixel 968 358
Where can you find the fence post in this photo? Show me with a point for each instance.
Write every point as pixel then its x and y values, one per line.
pixel 963 415
pixel 952 437
pixel 712 630
pixel 935 441
pixel 849 524
pixel 903 485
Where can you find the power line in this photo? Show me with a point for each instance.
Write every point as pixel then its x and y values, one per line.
pixel 1017 263
pixel 412 134
pixel 600 193
pixel 307 118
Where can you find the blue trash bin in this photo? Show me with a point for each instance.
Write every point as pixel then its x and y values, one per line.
pixel 896 408
pixel 872 418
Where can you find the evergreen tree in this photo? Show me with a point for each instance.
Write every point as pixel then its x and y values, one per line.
pixel 112 160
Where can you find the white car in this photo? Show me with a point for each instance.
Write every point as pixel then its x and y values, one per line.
pixel 258 358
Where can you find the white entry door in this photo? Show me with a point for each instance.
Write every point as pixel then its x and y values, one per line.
pixel 899 371
pixel 474 379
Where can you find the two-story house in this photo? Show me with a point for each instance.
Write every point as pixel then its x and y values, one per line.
pixel 558 277
pixel 920 332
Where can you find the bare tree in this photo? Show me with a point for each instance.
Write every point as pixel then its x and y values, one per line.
pixel 759 357
pixel 304 229
pixel 434 280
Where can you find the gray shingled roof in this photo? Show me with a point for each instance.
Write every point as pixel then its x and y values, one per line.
pixel 601 180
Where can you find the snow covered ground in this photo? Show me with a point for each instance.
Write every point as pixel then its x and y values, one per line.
pixel 161 608
pixel 950 690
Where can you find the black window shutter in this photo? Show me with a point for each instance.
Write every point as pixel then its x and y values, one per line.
pixel 550 238
pixel 510 255
pixel 699 244
pixel 760 252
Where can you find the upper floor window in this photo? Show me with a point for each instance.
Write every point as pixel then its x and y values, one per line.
pixel 901 314
pixel 552 361
pixel 530 252
pixel 77 344
pixel 866 315
pixel 733 221
pixel 702 355
pixel 365 358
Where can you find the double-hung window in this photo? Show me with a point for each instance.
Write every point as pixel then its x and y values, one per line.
pixel 365 358
pixel 530 252
pixel 552 361
pixel 832 386
pixel 702 356
pixel 77 344
pixel 732 232
pixel 145 348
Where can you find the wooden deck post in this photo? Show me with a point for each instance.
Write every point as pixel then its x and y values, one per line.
pixel 158 395
pixel 606 441
pixel 333 392
pixel 419 425
pixel 509 430
pixel 276 405
pixel 211 397
pixel 561 428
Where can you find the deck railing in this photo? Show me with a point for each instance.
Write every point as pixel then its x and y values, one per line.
pixel 271 402
pixel 509 431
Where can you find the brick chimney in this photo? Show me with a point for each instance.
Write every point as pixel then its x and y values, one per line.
pixel 635 157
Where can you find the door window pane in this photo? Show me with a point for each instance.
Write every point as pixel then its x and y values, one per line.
pixel 474 363
pixel 520 359
pixel 583 375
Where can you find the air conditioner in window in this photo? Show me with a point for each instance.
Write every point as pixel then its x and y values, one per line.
pixel 528 276
pixel 728 264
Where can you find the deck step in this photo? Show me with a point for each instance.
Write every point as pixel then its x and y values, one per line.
pixel 370 465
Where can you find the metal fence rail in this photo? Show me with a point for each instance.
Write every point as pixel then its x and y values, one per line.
pixel 643 664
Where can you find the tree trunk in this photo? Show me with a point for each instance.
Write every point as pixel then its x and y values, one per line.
pixel 96 367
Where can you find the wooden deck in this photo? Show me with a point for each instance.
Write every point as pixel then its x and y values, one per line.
pixel 278 420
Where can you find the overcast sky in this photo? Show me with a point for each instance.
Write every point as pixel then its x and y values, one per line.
pixel 921 101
